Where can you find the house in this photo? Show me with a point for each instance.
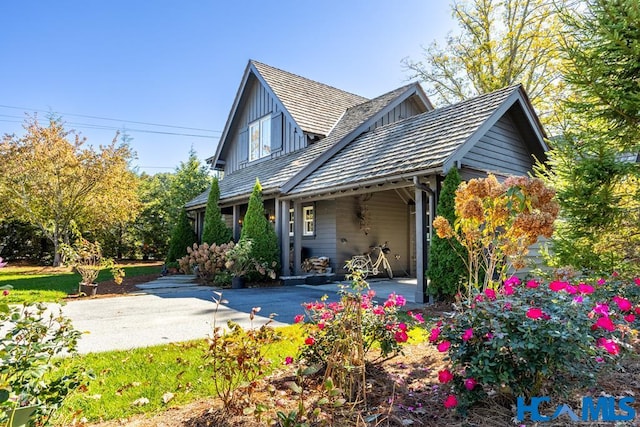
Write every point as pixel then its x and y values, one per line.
pixel 341 172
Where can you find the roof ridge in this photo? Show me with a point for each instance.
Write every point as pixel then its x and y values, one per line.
pixel 307 78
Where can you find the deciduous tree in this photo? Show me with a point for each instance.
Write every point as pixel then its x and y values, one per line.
pixel 50 178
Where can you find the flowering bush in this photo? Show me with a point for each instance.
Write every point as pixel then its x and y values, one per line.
pixel 496 223
pixel 207 260
pixel 528 338
pixel 86 258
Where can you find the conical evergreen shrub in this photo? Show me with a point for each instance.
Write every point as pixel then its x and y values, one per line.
pixel 182 237
pixel 215 230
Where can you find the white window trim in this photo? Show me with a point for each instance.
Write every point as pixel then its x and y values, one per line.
pixel 308 231
pixel 264 147
pixel 291 222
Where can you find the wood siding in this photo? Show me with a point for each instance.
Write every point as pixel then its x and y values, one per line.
pixel 257 103
pixel 323 243
pixel 406 109
pixel 501 149
pixel 390 222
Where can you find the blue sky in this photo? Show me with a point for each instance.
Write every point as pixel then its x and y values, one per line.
pixel 179 63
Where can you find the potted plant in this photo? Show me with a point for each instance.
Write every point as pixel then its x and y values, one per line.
pixel 86 258
pixel 240 263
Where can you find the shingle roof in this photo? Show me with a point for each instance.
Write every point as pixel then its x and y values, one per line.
pixel 316 107
pixel 274 173
pixel 417 143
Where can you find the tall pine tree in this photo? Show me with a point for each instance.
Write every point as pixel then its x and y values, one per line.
pixel 215 230
pixel 447 270
pixel 182 237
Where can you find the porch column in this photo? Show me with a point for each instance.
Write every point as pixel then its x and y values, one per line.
pixel 236 223
pixel 297 237
pixel 282 218
pixel 421 243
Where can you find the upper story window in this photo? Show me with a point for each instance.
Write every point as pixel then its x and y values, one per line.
pixel 260 138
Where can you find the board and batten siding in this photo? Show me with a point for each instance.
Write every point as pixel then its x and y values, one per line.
pixel 323 242
pixel 390 222
pixel 257 103
pixel 407 108
pixel 501 149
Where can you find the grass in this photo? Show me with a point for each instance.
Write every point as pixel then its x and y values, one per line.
pixel 48 284
pixel 122 377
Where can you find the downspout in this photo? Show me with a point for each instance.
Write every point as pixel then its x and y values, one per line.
pixel 420 273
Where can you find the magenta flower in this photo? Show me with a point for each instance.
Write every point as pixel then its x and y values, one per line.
pixel 532 284
pixel 637 281
pixel 630 318
pixel 418 317
pixel 609 345
pixel 534 313
pixel 445 376
pixel 557 286
pixel 578 299
pixel 605 323
pixel 601 282
pixel 5 292
pixel 583 288
pixel 571 290
pixel 479 298
pixel 444 346
pixel 467 335
pixel 601 309
pixel 2 264
pixel 288 360
pixel 435 333
pixel 401 336
pixel 310 341
pixel 470 384
pixel 321 326
pixel 511 281
pixel 490 293
pixel 378 311
pixel 508 290
pixel 402 326
pixel 623 303
pixel 299 318
pixel 507 306
pixel 450 402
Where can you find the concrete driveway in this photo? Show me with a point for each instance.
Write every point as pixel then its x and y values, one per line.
pixel 173 309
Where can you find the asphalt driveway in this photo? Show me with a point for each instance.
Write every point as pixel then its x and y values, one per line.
pixel 174 312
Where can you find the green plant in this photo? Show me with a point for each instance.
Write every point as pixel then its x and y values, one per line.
pixel 31 351
pixel 527 338
pixel 182 237
pixel 86 258
pixel 446 266
pixel 256 227
pixel 241 261
pixel 215 231
pixel 237 358
pixel 207 260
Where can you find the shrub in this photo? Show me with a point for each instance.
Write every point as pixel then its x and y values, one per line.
pixel 207 260
pixel 256 227
pixel 215 231
pixel 446 266
pixel 241 263
pixel 526 338
pixel 86 258
pixel 182 237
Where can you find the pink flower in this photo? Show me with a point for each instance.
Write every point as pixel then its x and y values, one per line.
pixel 623 303
pixel 601 309
pixel 532 284
pixel 637 310
pixel 605 323
pixel 615 274
pixel 402 326
pixel 435 333
pixel 534 313
pixel 571 290
pixel 450 402
pixel 637 281
pixel 288 360
pixel 609 345
pixel 445 376
pixel 490 293
pixel 378 311
pixel 468 334
pixel 299 318
pixel 508 290
pixel 470 384
pixel 400 301
pixel 418 317
pixel 5 292
pixel 488 335
pixel 310 341
pixel 601 282
pixel 578 299
pixel 557 286
pixel 401 336
pixel 630 318
pixel 321 326
pixel 327 315
pixel 2 264
pixel 511 281
pixel 507 306
pixel 583 288
pixel 444 346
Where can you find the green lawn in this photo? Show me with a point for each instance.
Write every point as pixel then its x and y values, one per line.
pixel 122 377
pixel 47 284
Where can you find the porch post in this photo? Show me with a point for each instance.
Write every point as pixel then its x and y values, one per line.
pixel 421 246
pixel 297 237
pixel 282 218
pixel 236 225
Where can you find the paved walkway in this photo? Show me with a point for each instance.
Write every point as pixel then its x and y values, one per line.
pixel 174 309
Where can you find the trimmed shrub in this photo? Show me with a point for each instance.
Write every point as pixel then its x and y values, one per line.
pixel 256 227
pixel 215 230
pixel 182 238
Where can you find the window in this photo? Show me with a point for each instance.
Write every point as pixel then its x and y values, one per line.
pixel 291 221
pixel 260 138
pixel 308 223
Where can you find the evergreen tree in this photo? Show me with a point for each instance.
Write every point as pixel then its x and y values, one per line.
pixel 256 227
pixel 215 230
pixel 182 237
pixel 446 270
